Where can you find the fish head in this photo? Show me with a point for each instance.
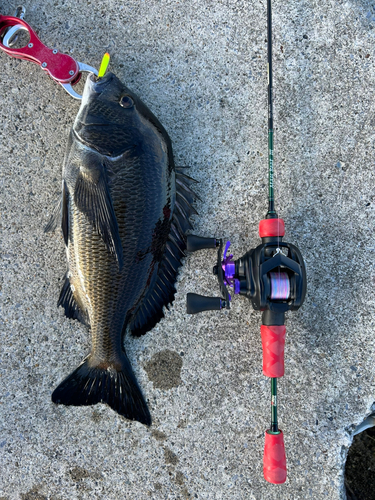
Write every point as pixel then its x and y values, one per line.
pixel 111 116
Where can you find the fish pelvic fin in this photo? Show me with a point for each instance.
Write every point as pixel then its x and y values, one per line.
pixel 60 215
pixel 110 383
pixel 55 218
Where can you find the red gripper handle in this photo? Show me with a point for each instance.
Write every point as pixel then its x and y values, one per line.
pixel 271 227
pixel 273 342
pixel 61 67
pixel 274 459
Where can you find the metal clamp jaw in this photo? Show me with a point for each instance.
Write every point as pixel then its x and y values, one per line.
pixel 60 67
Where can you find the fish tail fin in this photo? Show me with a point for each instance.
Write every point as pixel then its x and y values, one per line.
pixel 113 384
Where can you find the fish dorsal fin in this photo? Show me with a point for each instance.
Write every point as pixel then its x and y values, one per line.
pixel 150 310
pixel 93 198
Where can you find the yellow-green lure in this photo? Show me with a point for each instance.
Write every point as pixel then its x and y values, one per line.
pixel 104 65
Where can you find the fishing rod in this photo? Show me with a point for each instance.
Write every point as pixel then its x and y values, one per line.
pixel 273 277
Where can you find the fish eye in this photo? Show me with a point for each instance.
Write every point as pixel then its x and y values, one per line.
pixel 126 101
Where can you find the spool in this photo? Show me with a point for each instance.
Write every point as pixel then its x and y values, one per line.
pixel 280 286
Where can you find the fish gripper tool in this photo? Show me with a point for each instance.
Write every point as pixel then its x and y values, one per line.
pixel 60 67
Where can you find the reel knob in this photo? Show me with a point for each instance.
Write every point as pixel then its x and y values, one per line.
pixel 194 243
pixel 197 303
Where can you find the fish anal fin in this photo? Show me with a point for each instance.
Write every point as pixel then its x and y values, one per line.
pixel 70 305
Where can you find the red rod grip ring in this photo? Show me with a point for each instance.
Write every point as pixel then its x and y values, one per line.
pixel 271 227
pixel 274 459
pixel 273 343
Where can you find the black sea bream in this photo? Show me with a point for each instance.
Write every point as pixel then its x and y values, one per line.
pixel 124 213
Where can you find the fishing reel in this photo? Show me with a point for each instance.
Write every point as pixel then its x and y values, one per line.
pixel 273 277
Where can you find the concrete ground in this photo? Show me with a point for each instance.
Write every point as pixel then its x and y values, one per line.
pixel 201 68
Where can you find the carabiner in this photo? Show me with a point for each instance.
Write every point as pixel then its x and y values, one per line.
pixel 61 67
pixel 11 32
pixel 11 35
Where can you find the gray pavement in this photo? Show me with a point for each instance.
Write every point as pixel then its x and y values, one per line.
pixel 201 68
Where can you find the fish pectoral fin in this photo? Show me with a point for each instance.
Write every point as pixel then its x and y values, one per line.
pixel 92 197
pixel 69 303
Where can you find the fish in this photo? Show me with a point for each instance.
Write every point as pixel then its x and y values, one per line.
pixel 124 211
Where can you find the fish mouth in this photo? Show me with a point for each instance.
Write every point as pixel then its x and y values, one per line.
pixel 97 85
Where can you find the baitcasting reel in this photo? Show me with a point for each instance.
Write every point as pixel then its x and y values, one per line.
pixel 273 277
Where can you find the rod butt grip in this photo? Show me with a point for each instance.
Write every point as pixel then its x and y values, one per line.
pixel 273 343
pixel 274 459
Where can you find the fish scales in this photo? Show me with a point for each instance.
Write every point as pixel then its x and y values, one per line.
pixel 124 232
pixel 118 291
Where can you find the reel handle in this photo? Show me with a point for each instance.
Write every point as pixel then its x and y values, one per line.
pixel 197 303
pixel 194 243
pixel 274 459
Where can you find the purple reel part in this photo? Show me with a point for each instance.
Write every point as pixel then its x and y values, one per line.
pixel 229 270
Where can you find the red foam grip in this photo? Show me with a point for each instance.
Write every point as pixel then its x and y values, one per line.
pixel 271 227
pixel 274 459
pixel 273 342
